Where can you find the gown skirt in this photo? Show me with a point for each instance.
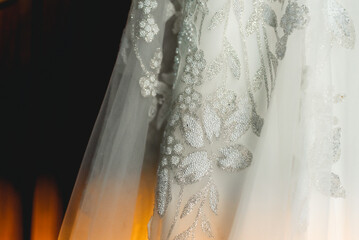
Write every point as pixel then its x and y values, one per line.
pixel 226 119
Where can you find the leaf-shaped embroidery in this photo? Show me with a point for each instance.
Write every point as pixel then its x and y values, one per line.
pixel 281 47
pixel 274 62
pixel 237 124
pixel 206 227
pixel 239 121
pixel 329 184
pixel 193 167
pixel 336 190
pixel 217 18
pixel 163 192
pixel 184 235
pixel 235 158
pixel 233 59
pixel 191 203
pixel 258 79
pixel 238 8
pixel 262 13
pixel 296 17
pixel 341 25
pixel 253 23
pixel 269 15
pixel 211 122
pixel 213 198
pixel 149 84
pixel 235 65
pixel 192 130
pixel 257 123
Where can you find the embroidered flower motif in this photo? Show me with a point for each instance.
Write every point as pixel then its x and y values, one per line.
pixel 148 85
pixel 198 165
pixel 224 101
pixel 174 118
pixel 195 64
pixel 147 5
pixel 171 151
pixel 189 99
pixel 148 29
pixel 210 129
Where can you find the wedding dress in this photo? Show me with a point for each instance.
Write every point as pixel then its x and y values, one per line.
pixel 226 119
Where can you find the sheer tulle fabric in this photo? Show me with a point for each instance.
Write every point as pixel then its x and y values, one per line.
pixel 291 170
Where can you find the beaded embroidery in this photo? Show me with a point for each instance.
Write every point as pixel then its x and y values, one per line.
pixel 220 119
pixel 224 115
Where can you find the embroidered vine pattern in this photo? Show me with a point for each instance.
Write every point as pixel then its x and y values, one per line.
pixel 145 28
pixel 296 16
pixel 222 117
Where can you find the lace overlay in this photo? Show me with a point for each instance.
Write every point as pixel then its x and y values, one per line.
pixel 209 119
pixel 216 101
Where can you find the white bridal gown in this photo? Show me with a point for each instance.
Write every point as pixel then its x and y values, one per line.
pixel 226 119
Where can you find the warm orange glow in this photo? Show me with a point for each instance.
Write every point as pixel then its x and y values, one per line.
pixel 46 215
pixel 10 212
pixel 144 206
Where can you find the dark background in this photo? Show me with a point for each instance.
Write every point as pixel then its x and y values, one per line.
pixel 56 58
